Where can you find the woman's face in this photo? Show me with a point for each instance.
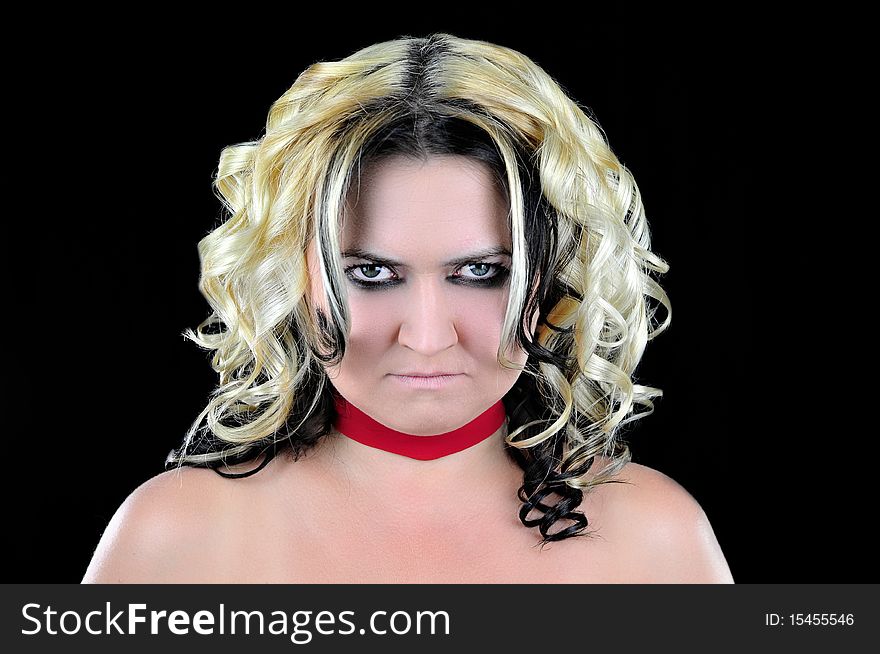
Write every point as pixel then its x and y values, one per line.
pixel 432 315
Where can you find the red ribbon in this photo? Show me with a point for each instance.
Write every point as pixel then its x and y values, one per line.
pixel 357 425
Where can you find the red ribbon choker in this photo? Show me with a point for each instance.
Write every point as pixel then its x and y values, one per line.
pixel 357 425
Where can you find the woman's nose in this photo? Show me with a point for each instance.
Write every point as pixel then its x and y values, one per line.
pixel 427 324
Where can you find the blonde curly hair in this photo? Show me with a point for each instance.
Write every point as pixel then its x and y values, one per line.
pixel 581 254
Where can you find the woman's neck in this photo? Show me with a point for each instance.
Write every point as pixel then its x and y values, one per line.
pixel 480 475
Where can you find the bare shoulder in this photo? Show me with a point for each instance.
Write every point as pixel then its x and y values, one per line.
pixel 158 528
pixel 667 529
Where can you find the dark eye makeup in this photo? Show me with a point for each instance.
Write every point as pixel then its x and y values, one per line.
pixel 494 281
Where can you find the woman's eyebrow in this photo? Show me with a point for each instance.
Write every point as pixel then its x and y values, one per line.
pixel 359 253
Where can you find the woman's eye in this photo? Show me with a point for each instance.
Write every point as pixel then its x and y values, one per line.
pixel 369 272
pixel 481 269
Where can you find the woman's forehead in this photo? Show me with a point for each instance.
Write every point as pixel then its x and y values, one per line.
pixel 447 201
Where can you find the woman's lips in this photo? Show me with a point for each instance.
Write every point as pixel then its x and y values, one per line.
pixel 428 382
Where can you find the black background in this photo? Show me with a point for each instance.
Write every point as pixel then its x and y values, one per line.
pixel 133 122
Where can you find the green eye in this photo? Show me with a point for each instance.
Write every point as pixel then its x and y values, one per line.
pixel 487 266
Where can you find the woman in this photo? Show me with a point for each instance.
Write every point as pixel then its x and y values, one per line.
pixel 428 303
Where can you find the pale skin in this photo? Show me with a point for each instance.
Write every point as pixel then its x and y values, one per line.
pixel 349 513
